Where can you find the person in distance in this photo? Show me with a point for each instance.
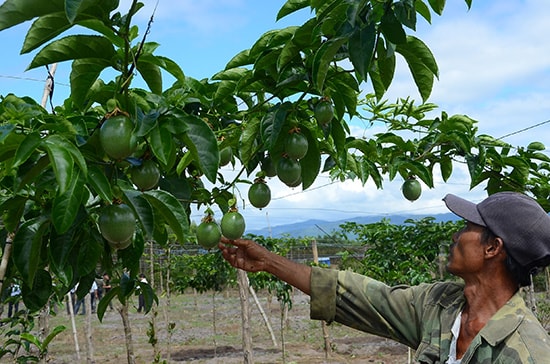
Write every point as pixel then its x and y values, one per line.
pixel 481 318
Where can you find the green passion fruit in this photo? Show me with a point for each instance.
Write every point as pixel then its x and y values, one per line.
pixel 233 225
pixel 268 167
pixel 259 194
pixel 208 234
pixel 146 176
pixel 411 189
pixel 117 224
pixel 226 155
pixel 296 145
pixel 323 112
pixel 289 171
pixel 117 137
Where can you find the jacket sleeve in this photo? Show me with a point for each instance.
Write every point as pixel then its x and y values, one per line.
pixel 368 305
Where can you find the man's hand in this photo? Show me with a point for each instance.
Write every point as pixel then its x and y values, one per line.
pixel 244 254
pixel 252 257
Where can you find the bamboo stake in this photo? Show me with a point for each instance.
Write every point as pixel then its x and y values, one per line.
pixel 326 336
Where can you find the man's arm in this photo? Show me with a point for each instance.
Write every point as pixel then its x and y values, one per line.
pixel 252 257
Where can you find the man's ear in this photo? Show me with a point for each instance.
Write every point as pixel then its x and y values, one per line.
pixel 494 247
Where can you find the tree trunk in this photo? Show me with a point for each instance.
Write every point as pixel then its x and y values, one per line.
pixel 123 310
pixel 43 326
pixel 154 312
pixel 73 324
pixel 245 315
pixel 5 259
pixel 88 330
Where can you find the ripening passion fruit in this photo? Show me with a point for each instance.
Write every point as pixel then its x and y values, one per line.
pixel 411 189
pixel 233 225
pixel 208 234
pixel 117 225
pixel 117 138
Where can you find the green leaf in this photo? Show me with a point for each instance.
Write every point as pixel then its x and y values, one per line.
pixel 66 205
pixel 105 300
pixel 5 131
pixel 240 59
pixel 166 64
pixel 392 28
pixel 421 63
pixel 84 74
pixel 171 210
pixel 405 12
pixel 311 162
pixel 142 210
pixel 438 5
pixel 13 209
pixel 13 12
pixel 151 74
pixel 203 145
pixel 26 148
pixel 62 163
pixel 162 144
pixel 27 245
pixel 99 183
pixel 224 89
pixel 247 149
pixel 322 59
pixel 273 122
pixel 31 339
pixel 74 47
pixel 43 29
pixel 361 48
pixel 291 6
pixel 89 253
pixel 56 331
pixel 446 165
pixel 72 8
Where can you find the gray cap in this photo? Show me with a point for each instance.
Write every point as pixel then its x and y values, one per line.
pixel 517 219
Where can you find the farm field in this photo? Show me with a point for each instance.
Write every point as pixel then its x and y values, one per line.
pixel 192 339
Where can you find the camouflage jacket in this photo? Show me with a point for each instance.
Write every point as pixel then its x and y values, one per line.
pixel 421 317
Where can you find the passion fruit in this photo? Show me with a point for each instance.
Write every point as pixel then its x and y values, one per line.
pixel 323 112
pixel 289 171
pixel 259 194
pixel 117 225
pixel 296 145
pixel 146 176
pixel 117 138
pixel 208 234
pixel 411 189
pixel 233 225
pixel 226 155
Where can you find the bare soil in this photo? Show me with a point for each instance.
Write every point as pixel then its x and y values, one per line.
pixel 207 329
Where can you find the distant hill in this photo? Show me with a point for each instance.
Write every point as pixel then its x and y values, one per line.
pixel 314 228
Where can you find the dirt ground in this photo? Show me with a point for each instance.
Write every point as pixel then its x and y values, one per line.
pixel 207 329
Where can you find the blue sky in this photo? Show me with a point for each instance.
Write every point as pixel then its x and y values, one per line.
pixel 494 63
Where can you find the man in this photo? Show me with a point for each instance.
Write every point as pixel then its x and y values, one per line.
pixel 482 319
pixel 13 305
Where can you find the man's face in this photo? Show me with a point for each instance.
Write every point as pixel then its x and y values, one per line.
pixel 466 254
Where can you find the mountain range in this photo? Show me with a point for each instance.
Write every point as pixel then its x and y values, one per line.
pixel 315 227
